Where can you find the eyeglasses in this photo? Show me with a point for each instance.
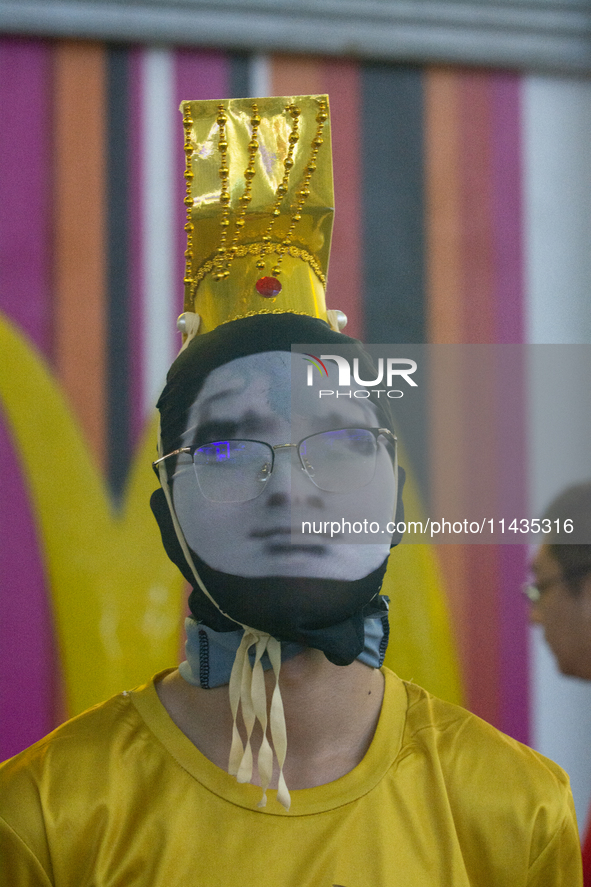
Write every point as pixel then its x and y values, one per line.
pixel 336 461
pixel 534 590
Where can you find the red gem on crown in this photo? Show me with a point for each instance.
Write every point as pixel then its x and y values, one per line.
pixel 268 287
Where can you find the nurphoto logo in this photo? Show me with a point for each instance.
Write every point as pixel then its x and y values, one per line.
pixel 399 368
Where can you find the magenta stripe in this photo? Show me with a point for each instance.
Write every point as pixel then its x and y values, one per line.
pixel 514 643
pixel 511 484
pixel 506 206
pixel 28 669
pixel 199 74
pixel 27 646
pixel 136 333
pixel 25 149
pixel 508 298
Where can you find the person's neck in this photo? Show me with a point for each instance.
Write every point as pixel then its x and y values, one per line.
pixel 331 713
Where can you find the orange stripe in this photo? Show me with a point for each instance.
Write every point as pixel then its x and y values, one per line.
pixel 443 207
pixel 459 286
pixel 448 493
pixel 483 580
pixel 460 489
pixel 79 220
pixel 296 75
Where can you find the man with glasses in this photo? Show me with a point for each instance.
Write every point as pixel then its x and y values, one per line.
pixel 561 594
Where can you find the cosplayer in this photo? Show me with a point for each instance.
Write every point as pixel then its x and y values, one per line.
pixel 280 752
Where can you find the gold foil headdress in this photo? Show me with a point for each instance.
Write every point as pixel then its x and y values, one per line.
pixel 260 204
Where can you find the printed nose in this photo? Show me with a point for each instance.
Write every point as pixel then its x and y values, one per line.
pixel 288 483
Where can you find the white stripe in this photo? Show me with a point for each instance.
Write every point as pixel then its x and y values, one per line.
pixel 158 118
pixel 557 207
pixel 557 203
pixel 259 76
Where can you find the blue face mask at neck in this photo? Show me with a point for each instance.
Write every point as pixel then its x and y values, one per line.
pixel 210 654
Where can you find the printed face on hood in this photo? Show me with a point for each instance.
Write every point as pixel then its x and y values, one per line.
pixel 250 400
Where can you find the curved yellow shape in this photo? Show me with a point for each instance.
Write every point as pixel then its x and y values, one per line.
pixel 117 598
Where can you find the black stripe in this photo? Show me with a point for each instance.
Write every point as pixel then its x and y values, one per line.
pixel 118 387
pixel 239 75
pixel 394 243
pixel 393 208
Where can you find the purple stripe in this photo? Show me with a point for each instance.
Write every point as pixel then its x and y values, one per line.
pixel 27 663
pixel 514 643
pixel 511 474
pixel 509 298
pixel 136 333
pixel 199 75
pixel 506 206
pixel 25 149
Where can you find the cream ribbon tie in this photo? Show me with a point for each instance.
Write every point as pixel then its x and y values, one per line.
pixel 248 693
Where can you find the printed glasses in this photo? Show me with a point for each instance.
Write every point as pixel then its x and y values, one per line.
pixel 336 461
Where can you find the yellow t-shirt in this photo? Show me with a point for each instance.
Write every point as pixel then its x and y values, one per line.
pixel 119 797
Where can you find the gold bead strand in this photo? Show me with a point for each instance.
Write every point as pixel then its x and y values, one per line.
pixel 281 191
pixel 189 227
pixel 224 174
pixel 304 191
pixel 249 173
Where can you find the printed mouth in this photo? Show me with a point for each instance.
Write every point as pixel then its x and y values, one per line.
pixel 278 535
pixel 271 532
pixel 286 549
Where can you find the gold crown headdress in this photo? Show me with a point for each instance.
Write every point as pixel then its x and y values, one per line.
pixel 260 204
